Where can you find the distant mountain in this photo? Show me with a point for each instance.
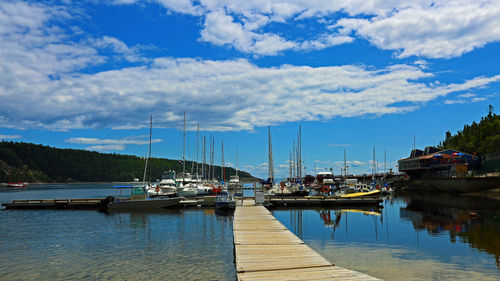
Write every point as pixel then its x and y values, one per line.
pixel 481 138
pixel 38 163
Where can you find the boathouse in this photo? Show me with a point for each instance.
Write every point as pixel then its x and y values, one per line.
pixel 433 162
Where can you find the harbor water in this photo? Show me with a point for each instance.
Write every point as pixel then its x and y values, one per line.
pixel 413 237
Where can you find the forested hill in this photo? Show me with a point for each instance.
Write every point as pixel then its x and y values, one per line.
pixel 37 163
pixel 482 137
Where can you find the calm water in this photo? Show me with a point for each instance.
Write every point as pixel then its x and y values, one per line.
pixel 90 245
pixel 411 238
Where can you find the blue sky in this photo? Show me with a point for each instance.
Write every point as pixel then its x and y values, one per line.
pixel 354 74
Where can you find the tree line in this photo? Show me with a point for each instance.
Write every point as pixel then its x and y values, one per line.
pixel 482 137
pixel 30 162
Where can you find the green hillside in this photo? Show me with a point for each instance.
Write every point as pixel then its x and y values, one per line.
pixel 482 137
pixel 37 163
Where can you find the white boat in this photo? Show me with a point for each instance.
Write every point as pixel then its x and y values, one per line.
pixel 185 188
pixel 204 189
pixel 166 187
pixel 17 184
pixel 234 182
pixel 139 201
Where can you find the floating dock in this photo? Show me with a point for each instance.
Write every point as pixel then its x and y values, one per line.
pixel 195 202
pixel 56 204
pixel 267 250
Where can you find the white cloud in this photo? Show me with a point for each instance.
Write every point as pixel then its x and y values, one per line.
pixel 224 95
pixel 129 54
pixel 339 145
pixel 9 137
pixel 130 140
pixel 40 86
pixel 108 147
pixel 438 29
pixel 221 29
pixel 442 30
pixel 111 144
pixel 467 98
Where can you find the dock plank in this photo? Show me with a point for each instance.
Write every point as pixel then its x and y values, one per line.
pixel 266 250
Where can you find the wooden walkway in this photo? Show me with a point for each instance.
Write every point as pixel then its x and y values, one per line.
pixel 267 250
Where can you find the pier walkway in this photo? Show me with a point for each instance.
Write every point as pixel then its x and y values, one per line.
pixel 267 250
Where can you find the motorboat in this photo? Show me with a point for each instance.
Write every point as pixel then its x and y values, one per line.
pixel 166 187
pixel 187 190
pixel 17 184
pixel 234 182
pixel 140 201
pixel 224 201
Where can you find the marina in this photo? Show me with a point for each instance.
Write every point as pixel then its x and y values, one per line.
pixel 393 240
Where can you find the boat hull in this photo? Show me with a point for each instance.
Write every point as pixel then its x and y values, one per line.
pixel 225 205
pixel 141 205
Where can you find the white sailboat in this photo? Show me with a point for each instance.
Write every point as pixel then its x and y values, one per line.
pixel 139 199
pixel 234 181
pixel 186 188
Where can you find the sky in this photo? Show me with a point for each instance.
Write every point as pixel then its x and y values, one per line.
pixel 355 75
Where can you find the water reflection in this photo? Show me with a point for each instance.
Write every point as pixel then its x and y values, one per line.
pixel 471 220
pixel 414 236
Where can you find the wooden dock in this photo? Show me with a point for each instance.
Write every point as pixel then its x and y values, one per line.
pixel 56 204
pixel 267 250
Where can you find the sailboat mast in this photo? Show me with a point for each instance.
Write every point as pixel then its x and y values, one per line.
pixel 236 161
pixel 300 152
pixel 373 164
pixel 203 165
pixel 271 171
pixel 385 161
pixel 149 154
pixel 213 157
pixel 184 149
pixel 222 162
pixel 294 166
pixel 197 142
pixel 345 165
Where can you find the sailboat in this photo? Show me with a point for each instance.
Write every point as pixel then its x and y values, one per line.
pixel 364 189
pixel 186 188
pixel 234 181
pixel 139 199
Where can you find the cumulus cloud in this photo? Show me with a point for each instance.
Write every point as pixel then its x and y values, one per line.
pixel 224 95
pixel 41 85
pixel 437 29
pixel 441 30
pixel 10 137
pixel 467 98
pixel 111 144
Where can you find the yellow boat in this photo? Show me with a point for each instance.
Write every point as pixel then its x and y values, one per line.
pixel 359 194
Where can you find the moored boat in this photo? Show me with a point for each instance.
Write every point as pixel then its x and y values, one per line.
pixel 17 184
pixel 224 201
pixel 139 201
